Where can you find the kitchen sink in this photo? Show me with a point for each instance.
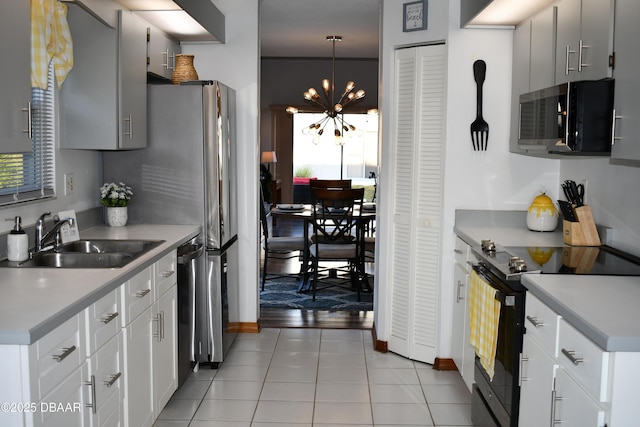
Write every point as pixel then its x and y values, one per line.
pixel 99 253
pixel 109 246
pixel 77 260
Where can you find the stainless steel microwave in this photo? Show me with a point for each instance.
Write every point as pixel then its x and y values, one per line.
pixel 571 118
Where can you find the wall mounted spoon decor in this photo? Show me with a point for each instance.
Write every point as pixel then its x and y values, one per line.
pixel 479 127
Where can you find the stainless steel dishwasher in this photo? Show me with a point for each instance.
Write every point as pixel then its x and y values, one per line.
pixel 189 255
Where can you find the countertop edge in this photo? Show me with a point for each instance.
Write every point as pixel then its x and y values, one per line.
pixel 30 336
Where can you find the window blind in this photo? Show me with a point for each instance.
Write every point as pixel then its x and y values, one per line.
pixel 31 176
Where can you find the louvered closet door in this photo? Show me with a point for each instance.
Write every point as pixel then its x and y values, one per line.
pixel 417 210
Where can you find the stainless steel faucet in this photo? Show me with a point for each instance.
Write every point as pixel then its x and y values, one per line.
pixel 42 236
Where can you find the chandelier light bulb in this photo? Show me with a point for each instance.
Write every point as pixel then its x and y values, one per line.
pixel 333 109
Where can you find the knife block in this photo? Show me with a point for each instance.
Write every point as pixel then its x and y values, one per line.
pixel 583 232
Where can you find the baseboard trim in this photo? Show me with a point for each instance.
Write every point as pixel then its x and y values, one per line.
pixel 444 365
pixel 244 327
pixel 378 345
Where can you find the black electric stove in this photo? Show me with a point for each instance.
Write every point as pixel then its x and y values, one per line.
pixel 589 260
pixel 495 402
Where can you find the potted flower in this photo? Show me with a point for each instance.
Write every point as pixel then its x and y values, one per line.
pixel 116 197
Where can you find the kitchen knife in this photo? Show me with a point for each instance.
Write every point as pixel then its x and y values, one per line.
pixel 567 211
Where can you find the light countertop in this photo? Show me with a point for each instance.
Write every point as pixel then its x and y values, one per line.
pixel 603 308
pixel 33 301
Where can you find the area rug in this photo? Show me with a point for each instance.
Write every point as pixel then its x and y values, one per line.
pixel 282 292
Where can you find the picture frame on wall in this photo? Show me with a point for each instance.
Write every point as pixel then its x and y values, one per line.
pixel 415 15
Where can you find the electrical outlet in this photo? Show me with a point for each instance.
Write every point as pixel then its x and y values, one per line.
pixel 68 184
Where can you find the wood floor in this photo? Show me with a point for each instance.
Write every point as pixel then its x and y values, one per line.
pixel 296 318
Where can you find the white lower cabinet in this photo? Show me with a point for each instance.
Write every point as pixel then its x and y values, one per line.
pixel 572 406
pixel 537 372
pixel 150 342
pixel 67 404
pixel 165 363
pixel 462 352
pixel 114 364
pixel 106 368
pixel 139 371
pixel 566 379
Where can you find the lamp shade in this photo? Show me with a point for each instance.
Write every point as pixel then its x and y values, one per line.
pixel 269 157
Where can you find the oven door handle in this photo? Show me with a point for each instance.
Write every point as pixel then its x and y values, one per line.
pixel 506 300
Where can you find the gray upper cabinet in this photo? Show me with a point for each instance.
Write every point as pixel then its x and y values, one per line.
pixel 104 99
pixel 15 84
pixel 627 88
pixel 543 51
pixel 583 40
pixel 520 82
pixel 162 53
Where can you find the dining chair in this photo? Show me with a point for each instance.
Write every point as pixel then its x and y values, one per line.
pixel 338 235
pixel 283 246
pixel 330 183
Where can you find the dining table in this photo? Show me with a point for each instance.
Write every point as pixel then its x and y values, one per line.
pixel 304 212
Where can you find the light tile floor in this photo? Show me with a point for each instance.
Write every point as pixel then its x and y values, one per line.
pixel 317 377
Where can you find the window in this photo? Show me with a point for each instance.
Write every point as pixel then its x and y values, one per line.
pixel 323 159
pixel 31 176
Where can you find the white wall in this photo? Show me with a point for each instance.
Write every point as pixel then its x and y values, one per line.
pixel 235 63
pixel 612 195
pixel 492 179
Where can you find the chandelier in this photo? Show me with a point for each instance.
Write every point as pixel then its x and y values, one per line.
pixel 333 110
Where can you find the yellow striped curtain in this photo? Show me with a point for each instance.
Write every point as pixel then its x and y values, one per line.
pixel 50 41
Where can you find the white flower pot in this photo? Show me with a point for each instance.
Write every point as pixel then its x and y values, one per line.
pixel 117 217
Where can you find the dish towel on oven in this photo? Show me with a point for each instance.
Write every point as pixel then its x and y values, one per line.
pixel 484 317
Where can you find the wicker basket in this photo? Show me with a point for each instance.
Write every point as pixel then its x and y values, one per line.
pixel 184 70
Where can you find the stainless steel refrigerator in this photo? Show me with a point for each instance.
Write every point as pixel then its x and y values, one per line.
pixel 187 175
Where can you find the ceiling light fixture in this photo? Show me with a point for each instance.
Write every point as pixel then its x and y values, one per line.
pixel 334 111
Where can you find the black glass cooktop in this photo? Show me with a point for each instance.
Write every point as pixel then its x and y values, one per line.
pixel 600 260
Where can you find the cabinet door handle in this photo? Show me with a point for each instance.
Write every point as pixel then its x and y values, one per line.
pixel 109 317
pixel 172 64
pixel 522 359
pixel 581 48
pixel 458 295
pixel 157 334
pixel 554 400
pixel 458 251
pixel 130 120
pixel 162 325
pixel 614 138
pixel 142 293
pixel 568 52
pixel 571 356
pixel 65 352
pixel 167 273
pixel 93 405
pixel 28 130
pixel 165 56
pixel 112 379
pixel 535 321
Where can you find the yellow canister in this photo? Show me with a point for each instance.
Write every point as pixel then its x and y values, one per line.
pixel 542 215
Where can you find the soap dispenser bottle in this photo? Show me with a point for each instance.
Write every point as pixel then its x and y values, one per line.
pixel 17 242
